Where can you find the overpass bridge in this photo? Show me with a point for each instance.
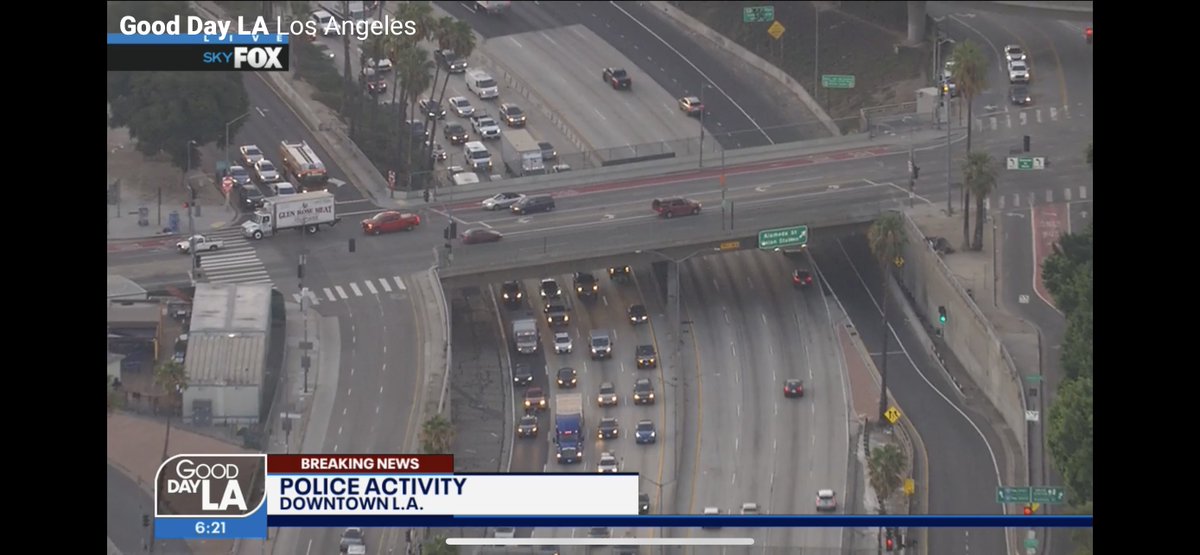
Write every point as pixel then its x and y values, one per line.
pixel 1067 10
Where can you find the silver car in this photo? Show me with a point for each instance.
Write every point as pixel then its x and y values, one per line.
pixel 608 463
pixel 461 106
pixel 562 342
pixel 1014 53
pixel 501 201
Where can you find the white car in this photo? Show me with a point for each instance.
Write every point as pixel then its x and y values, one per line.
pixel 1014 53
pixel 608 463
pixel 202 244
pixel 485 126
pixel 461 106
pixel 382 66
pixel 251 154
pixel 826 500
pixel 266 171
pixel 562 342
pixel 501 201
pixel 1018 72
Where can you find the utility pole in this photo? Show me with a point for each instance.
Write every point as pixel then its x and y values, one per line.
pixel 190 207
pixel 235 120
pixel 703 109
pixel 949 176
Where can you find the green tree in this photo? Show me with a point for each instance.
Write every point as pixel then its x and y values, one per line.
pixel 437 546
pixel 886 238
pixel 437 435
pixel 970 77
pixel 979 179
pixel 1069 436
pixel 1076 354
pixel 164 110
pixel 885 465
pixel 1064 271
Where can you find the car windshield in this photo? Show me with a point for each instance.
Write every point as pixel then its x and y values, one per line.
pixel 460 102
pixel 251 192
pixel 265 166
pixel 252 152
pixel 645 426
pixel 514 111
pixel 619 73
pixel 239 171
pixel 533 392
pixel 487 83
pixel 599 341
pixel 454 128
pixel 479 154
pixel 381 217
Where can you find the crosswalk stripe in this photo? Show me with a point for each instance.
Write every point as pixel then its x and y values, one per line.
pixel 221 264
pixel 341 292
pixel 247 273
pixel 296 297
pixel 1008 121
pixel 1039 115
pixel 1049 195
pixel 399 283
pixel 1067 193
pixel 978 124
pixel 371 287
pixel 1016 200
pixel 313 297
pixel 357 291
pixel 1066 111
pixel 1024 118
pixel 264 281
pixel 386 286
pixel 1082 192
pixel 987 204
pixel 993 118
pixel 1001 201
pixel 329 295
pixel 1053 113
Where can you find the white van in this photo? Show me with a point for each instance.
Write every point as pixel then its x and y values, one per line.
pixel 482 84
pixel 466 178
pixel 477 156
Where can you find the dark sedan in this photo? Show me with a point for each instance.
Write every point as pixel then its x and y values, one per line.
pixel 480 235
pixel 793 388
pixel 637 314
pixel 1019 95
pixel 522 375
pixel 801 278
pixel 567 378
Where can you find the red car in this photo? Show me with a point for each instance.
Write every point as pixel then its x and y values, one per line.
pixel 793 388
pixel 389 221
pixel 801 278
pixel 480 235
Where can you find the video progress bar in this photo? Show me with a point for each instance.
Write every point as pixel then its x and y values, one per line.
pixel 713 542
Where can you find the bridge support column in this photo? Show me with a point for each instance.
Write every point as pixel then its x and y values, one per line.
pixel 916 21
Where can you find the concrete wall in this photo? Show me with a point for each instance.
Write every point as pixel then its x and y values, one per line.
pixel 968 332
pixel 230 403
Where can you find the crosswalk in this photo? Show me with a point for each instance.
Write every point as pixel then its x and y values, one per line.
pixel 378 286
pixel 1025 117
pixel 235 262
pixel 1049 196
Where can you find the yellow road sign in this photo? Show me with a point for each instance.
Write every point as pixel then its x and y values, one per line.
pixel 776 30
pixel 892 415
pixel 899 261
pixel 910 486
pixel 1035 506
pixel 731 245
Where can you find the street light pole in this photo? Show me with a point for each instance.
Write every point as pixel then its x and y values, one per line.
pixel 703 109
pixel 191 201
pixel 235 120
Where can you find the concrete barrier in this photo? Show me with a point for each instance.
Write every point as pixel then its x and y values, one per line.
pixel 968 333
pixel 751 59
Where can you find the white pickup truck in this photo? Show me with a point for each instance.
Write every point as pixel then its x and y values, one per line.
pixel 485 126
pixel 202 244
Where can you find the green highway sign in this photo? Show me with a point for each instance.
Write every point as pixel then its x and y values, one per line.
pixel 837 81
pixel 1007 494
pixel 1025 163
pixel 1031 543
pixel 758 14
pixel 1048 495
pixel 783 237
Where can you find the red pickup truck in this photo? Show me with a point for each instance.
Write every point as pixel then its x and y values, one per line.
pixel 671 207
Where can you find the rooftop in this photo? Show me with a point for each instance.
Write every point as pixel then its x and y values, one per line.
pixel 227 342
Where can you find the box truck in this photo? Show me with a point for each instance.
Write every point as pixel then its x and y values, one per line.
pixel 521 153
pixel 309 211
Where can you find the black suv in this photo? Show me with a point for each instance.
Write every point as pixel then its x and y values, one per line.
pixel 512 115
pixel 251 195
pixel 586 285
pixel 550 289
pixel 512 294
pixel 529 205
pixel 646 357
pixel 528 426
pixel 609 428
pixel 620 273
pixel 432 108
pixel 645 433
pixel 450 60
pixel 637 314
pixel 522 375
pixel 455 133
pixel 643 392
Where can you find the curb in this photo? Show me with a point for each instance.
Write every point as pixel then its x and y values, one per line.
pixel 167 236
pixel 751 59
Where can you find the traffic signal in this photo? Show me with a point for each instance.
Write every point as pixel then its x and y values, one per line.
pixel 351 244
pixel 942 315
pixel 1025 143
pixel 453 229
pixel 916 172
pixel 145 521
pixel 889 540
pixel 1088 33
pixel 1028 510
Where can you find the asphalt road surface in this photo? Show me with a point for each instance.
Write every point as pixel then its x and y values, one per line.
pixel 126 504
pixel 962 473
pixel 741 113
pixel 753 331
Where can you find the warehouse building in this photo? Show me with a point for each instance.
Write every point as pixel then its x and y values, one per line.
pixel 227 353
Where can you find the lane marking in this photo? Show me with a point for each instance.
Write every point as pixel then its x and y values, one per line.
pixel 341 292
pixel 371 287
pixel 387 287
pixel 357 291
pixel 329 293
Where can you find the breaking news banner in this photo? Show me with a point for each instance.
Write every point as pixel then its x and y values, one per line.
pixel 239 496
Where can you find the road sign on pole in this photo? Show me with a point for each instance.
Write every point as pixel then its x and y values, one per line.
pixel 837 81
pixel 783 237
pixel 776 30
pixel 910 486
pixel 892 415
pixel 1008 494
pixel 758 14
pixel 1048 495
pixel 1026 163
pixel 1032 416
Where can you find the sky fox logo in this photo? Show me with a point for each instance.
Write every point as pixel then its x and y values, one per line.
pixel 257 58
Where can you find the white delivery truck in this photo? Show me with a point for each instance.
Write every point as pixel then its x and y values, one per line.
pixel 526 338
pixel 521 153
pixel 309 211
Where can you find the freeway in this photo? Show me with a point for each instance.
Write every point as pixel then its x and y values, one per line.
pixel 753 331
pixel 962 466
pixel 741 111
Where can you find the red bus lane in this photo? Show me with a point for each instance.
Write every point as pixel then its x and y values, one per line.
pixel 715 173
pixel 1049 223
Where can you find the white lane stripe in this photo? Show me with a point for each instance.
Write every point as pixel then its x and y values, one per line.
pixel 329 294
pixel 264 281
pixel 1067 193
pixel 296 297
pixel 249 255
pixel 237 279
pixel 371 287
pixel 386 286
pixel 1082 192
pixel 399 283
pixel 313 297
pixel 341 292
pixel 235 264
pixel 357 291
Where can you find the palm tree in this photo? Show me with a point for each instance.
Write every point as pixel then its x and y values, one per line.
pixel 885 464
pixel 172 377
pixel 413 67
pixel 886 238
pixel 970 76
pixel 979 179
pixel 348 82
pixel 437 434
pixel 439 31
